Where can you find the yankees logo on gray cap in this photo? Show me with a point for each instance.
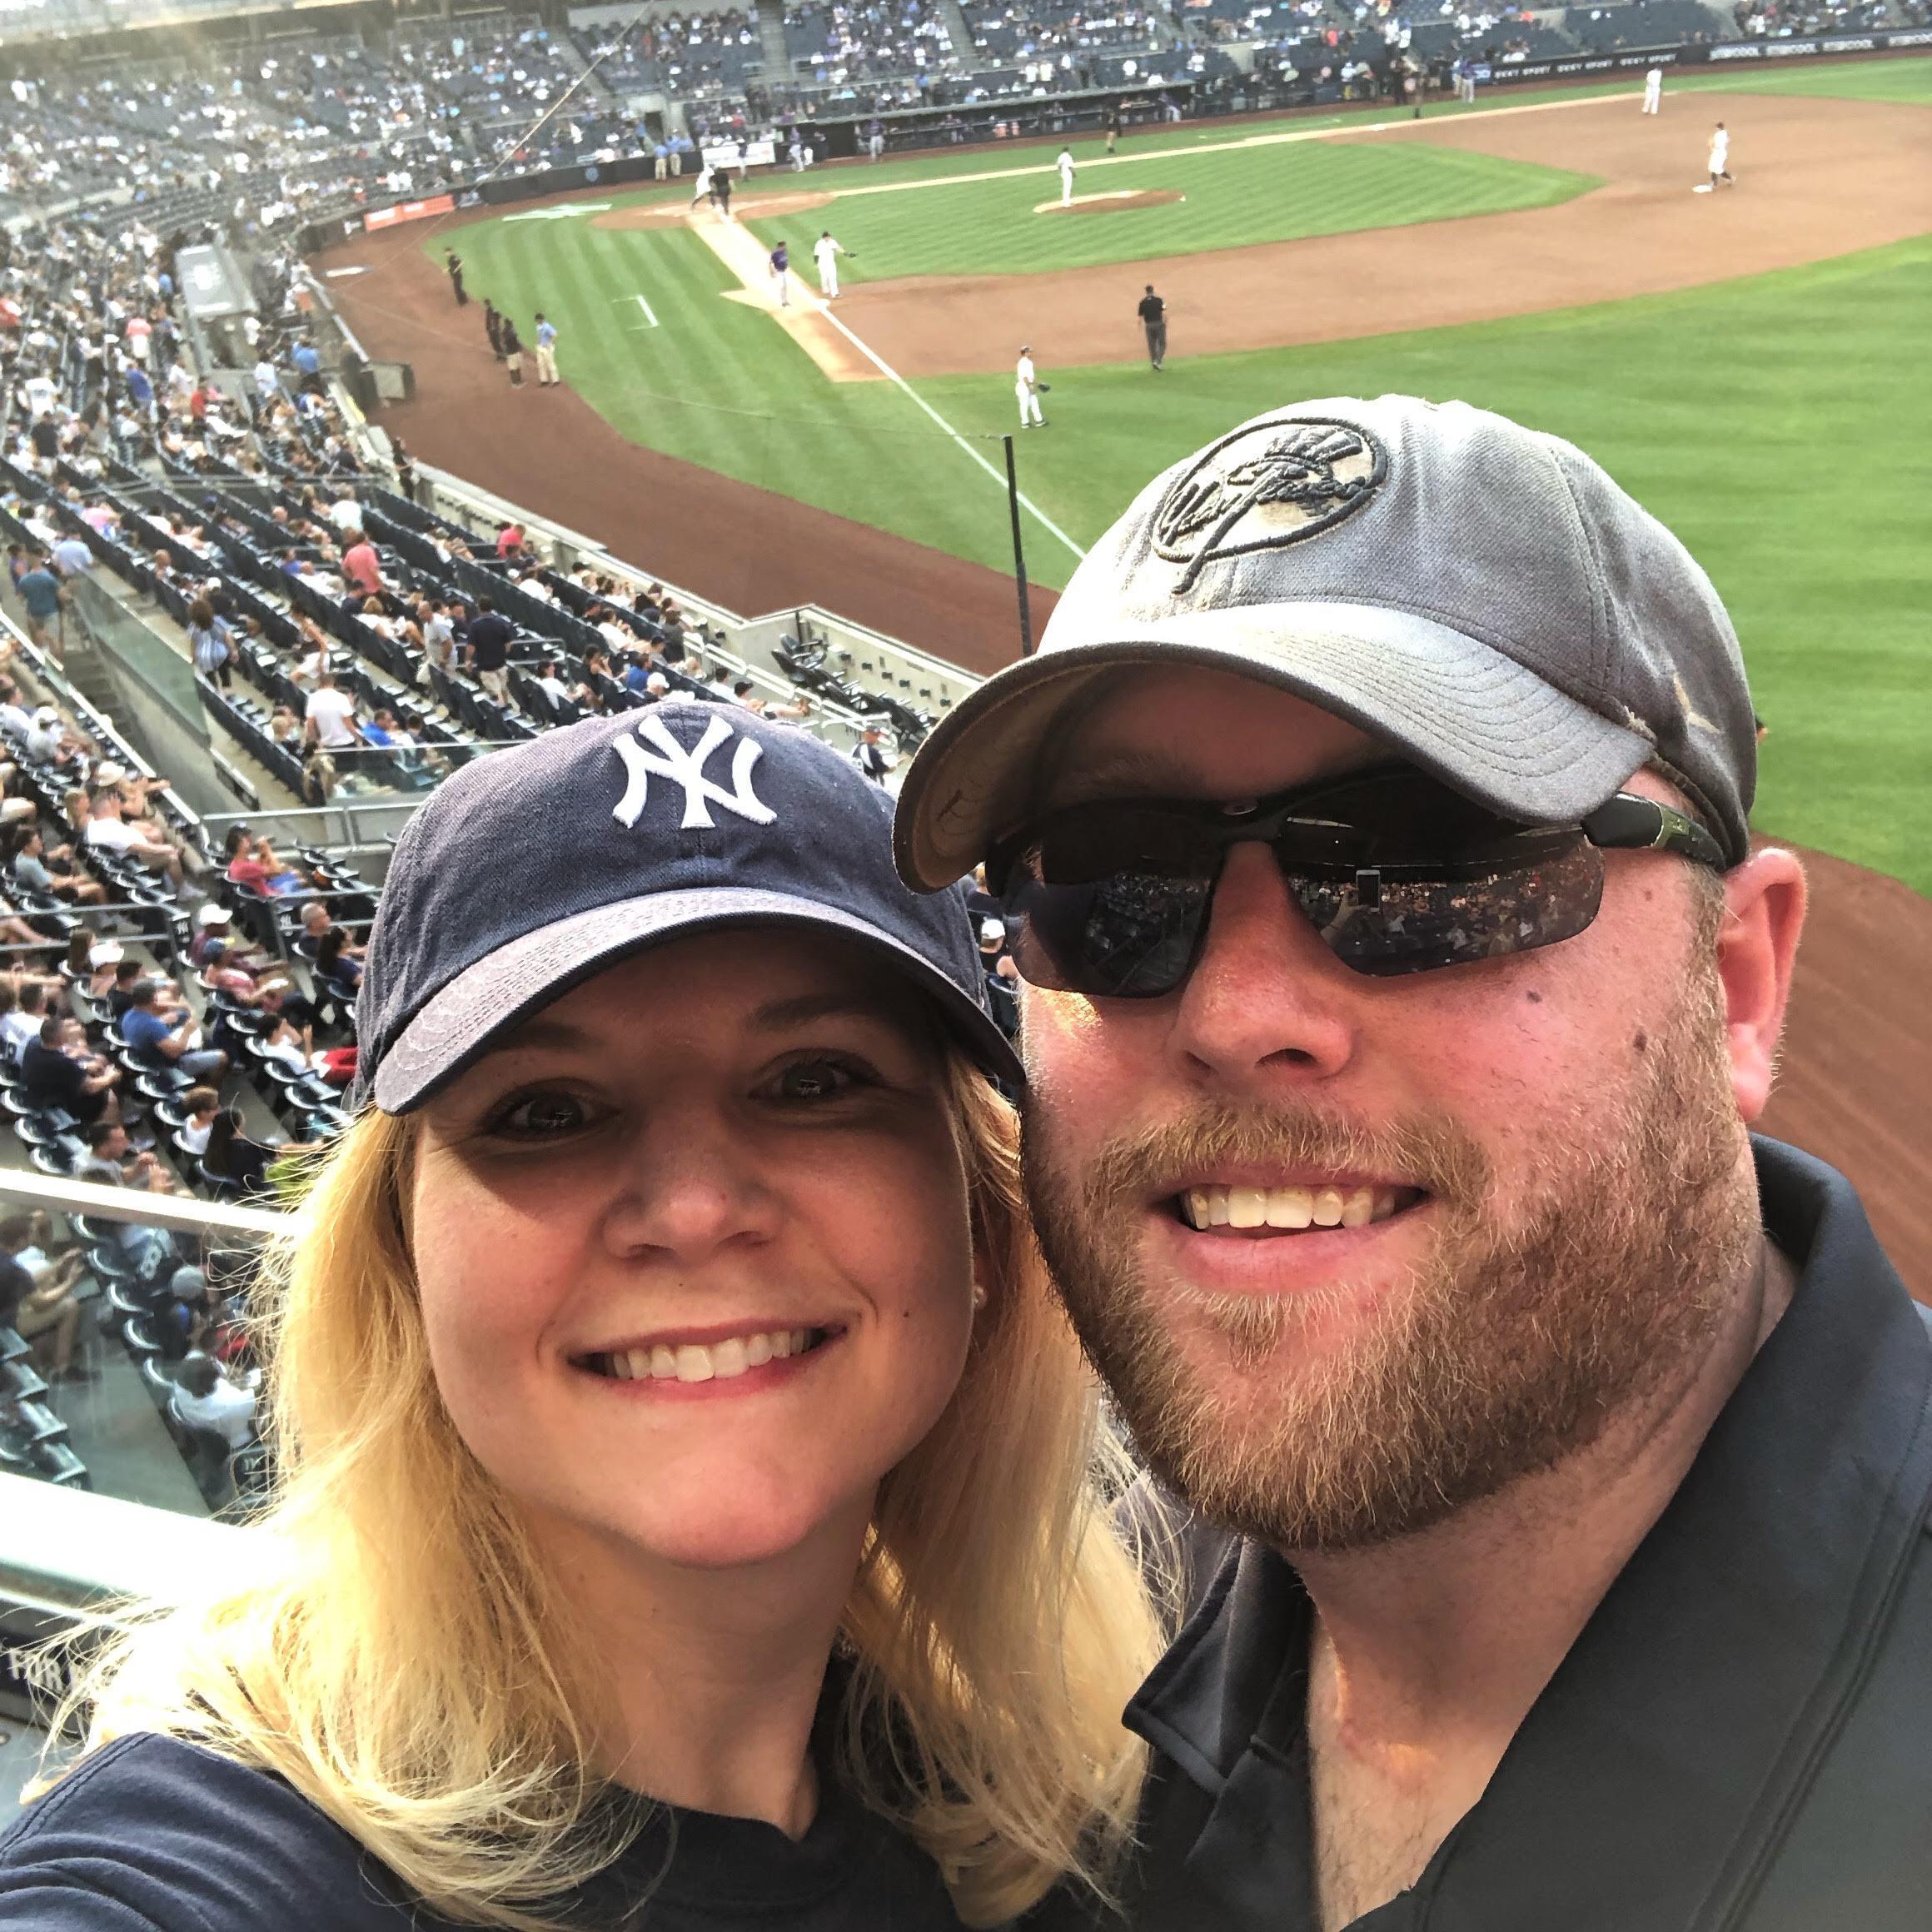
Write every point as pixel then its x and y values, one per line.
pixel 1266 485
pixel 532 869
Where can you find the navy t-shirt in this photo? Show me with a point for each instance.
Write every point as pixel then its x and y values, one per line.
pixel 155 1836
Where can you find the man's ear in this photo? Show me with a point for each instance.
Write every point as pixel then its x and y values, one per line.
pixel 1757 944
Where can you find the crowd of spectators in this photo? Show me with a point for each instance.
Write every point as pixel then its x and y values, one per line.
pixel 1783 19
pixel 256 138
pixel 836 43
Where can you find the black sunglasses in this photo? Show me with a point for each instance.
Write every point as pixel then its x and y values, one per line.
pixel 1395 871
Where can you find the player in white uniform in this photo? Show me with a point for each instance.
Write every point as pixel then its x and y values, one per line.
pixel 1720 161
pixel 1065 164
pixel 1654 91
pixel 1027 387
pixel 703 184
pixel 825 252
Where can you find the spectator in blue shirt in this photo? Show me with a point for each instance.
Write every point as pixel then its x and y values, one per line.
pixel 40 592
pixel 71 556
pixel 146 1030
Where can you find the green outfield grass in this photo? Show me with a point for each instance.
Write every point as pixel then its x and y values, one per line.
pixel 1233 197
pixel 1778 424
pixel 1908 81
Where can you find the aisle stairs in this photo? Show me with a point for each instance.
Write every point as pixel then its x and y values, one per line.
pixel 778 65
pixel 955 16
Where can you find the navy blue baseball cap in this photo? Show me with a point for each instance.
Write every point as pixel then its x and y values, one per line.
pixel 533 869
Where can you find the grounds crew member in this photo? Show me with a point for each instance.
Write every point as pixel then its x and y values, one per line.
pixel 546 350
pixel 1560 1456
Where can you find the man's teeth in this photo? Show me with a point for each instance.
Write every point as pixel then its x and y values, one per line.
pixel 1286 1207
pixel 701 1362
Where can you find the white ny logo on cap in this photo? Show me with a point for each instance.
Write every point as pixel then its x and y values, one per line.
pixel 687 768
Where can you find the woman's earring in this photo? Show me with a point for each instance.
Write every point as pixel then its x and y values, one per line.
pixel 979 1297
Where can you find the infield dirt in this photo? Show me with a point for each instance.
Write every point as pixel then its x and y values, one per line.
pixel 1816 177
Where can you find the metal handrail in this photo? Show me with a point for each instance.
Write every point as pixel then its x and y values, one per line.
pixel 70 1553
pixel 102 1202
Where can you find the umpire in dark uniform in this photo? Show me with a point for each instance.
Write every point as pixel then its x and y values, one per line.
pixel 493 327
pixel 453 262
pixel 1153 319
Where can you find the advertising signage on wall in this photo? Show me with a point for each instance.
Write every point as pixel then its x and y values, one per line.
pixel 409 212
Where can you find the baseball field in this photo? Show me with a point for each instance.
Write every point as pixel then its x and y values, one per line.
pixel 1747 363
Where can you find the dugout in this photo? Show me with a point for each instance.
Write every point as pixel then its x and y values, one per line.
pixel 838 131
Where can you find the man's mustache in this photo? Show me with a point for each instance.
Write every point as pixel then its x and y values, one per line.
pixel 1427 1151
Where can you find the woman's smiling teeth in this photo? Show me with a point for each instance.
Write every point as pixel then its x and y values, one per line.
pixel 705 1361
pixel 1290 1208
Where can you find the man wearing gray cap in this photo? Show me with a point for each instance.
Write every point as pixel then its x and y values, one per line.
pixel 1556 1458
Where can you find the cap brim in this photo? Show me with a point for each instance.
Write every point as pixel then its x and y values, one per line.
pixel 518 978
pixel 1457 707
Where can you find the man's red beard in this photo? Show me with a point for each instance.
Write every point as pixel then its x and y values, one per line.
pixel 1540 1312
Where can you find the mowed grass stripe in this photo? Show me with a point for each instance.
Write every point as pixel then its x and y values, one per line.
pixel 1232 200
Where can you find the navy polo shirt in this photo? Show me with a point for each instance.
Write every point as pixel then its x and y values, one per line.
pixel 1741 1739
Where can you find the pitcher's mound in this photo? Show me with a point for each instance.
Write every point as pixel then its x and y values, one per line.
pixel 1110 204
pixel 673 212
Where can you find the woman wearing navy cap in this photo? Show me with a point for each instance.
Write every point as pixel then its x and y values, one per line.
pixel 686 1515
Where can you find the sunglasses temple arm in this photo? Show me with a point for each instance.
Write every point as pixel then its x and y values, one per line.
pixel 1628 822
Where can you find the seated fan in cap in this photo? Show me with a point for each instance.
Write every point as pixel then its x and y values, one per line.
pixel 685 1471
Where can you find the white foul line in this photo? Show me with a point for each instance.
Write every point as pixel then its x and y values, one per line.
pixel 886 369
pixel 649 314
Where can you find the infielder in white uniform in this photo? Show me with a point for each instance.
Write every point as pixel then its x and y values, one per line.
pixel 1065 164
pixel 703 184
pixel 1654 91
pixel 1027 387
pixel 1719 161
pixel 825 252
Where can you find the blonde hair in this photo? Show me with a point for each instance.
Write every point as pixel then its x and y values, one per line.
pixel 397 1654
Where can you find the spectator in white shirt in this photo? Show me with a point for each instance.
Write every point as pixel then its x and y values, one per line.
pixel 347 513
pixel 204 1398
pixel 330 715
pixel 107 830
pixel 46 736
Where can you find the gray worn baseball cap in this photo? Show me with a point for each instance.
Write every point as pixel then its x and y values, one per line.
pixel 1479 596
pixel 531 870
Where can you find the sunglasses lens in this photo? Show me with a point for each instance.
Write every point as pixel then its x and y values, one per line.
pixel 1397 924
pixel 1396 872
pixel 1108 903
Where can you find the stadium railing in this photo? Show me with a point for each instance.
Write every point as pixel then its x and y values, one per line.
pixel 81 1539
